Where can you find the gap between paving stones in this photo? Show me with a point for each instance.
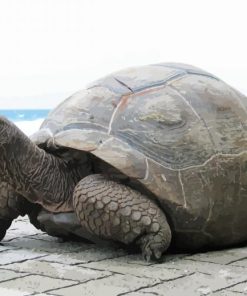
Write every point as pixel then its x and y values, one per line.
pixel 79 263
pixel 77 284
pixel 14 278
pixel 230 286
pixel 61 278
pixel 156 284
pixel 24 260
pixel 226 288
pixel 39 274
pixel 234 261
pixel 208 261
pixel 141 276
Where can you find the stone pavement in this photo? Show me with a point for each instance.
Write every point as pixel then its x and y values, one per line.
pixel 33 263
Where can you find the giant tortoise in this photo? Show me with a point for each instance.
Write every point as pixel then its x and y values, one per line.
pixel 152 156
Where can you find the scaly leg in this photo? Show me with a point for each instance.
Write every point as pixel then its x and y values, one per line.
pixel 111 210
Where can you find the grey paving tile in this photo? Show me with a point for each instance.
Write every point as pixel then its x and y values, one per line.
pixel 138 259
pixel 21 228
pixel 85 256
pixel 240 288
pixel 9 274
pixel 22 218
pixel 45 237
pixel 154 271
pixel 221 257
pixel 47 246
pixel 11 256
pixel 195 284
pixel 34 284
pixel 37 262
pixel 5 248
pixel 215 269
pixel 110 286
pixel 57 270
pixel 242 263
pixel 9 292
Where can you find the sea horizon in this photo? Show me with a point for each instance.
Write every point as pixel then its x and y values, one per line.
pixel 28 120
pixel 24 114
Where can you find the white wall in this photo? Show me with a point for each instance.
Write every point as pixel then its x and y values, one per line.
pixel 51 48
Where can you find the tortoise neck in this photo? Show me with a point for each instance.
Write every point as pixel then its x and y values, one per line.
pixel 37 175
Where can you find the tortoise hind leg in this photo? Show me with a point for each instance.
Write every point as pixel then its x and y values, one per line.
pixel 111 210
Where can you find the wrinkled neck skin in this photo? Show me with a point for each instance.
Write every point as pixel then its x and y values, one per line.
pixel 35 174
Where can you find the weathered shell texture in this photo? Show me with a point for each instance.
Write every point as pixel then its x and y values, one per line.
pixel 179 130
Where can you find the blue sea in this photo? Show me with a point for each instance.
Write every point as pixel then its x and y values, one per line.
pixel 28 120
pixel 24 114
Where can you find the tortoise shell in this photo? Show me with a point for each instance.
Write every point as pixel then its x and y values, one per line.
pixel 178 130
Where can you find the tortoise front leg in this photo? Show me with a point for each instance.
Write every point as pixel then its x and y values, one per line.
pixel 114 211
pixel 13 205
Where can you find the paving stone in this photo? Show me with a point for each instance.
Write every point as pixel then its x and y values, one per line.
pixel 9 274
pixel 47 246
pixel 154 271
pixel 110 286
pixel 34 284
pixel 240 288
pixel 5 248
pixel 138 259
pixel 242 263
pixel 45 237
pixel 11 256
pixel 220 257
pixel 218 270
pixel 20 228
pixel 9 292
pixel 93 254
pixel 58 270
pixel 23 218
pixel 195 284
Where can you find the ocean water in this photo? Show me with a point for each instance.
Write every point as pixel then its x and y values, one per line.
pixel 24 114
pixel 28 120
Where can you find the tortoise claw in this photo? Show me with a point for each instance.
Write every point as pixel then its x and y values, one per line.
pixel 151 250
